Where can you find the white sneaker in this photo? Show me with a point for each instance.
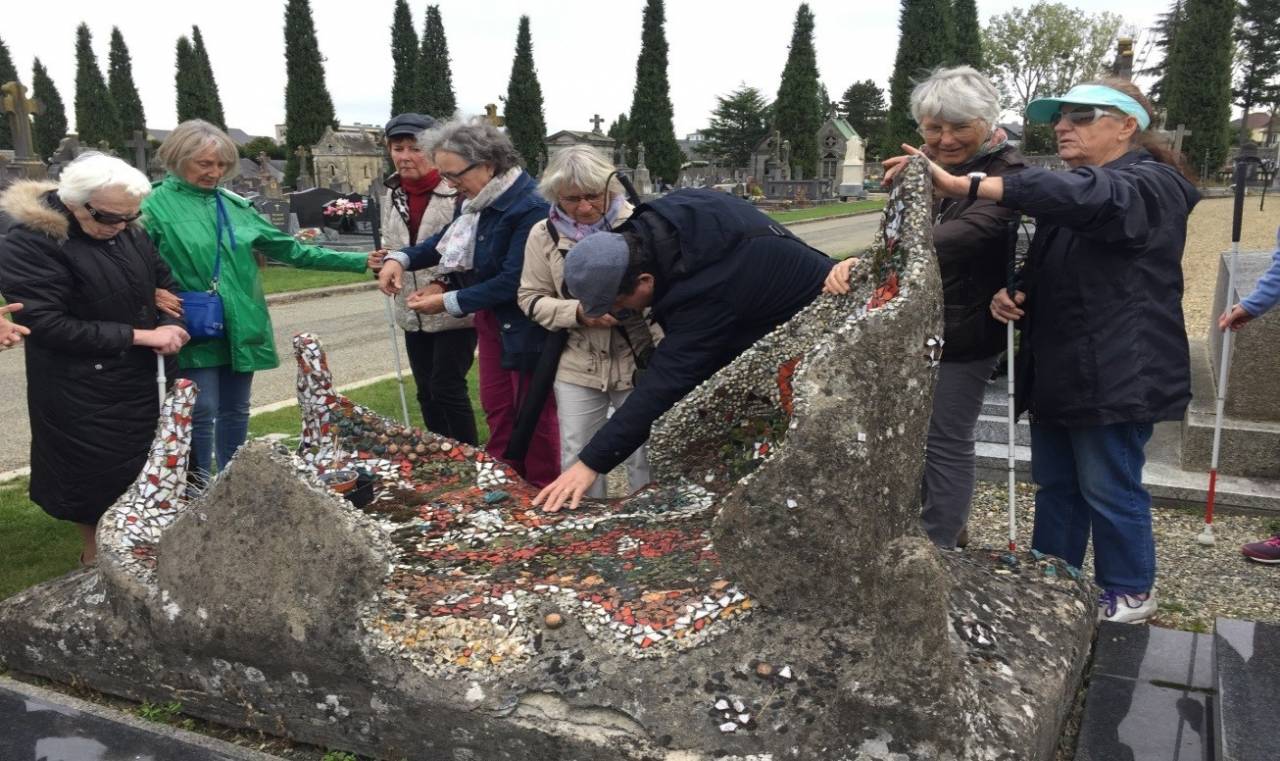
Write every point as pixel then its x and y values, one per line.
pixel 1124 608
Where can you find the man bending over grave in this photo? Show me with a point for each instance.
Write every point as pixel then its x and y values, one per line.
pixel 718 276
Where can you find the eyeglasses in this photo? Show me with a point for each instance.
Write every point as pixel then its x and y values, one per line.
pixel 456 176
pixel 107 218
pixel 963 131
pixel 592 198
pixel 1081 117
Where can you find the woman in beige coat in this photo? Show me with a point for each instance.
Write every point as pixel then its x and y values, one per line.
pixel 601 354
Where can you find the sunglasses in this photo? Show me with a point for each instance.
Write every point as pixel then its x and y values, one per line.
pixel 107 218
pixel 1080 118
pixel 455 176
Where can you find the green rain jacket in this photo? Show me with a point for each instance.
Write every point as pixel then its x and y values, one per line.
pixel 182 221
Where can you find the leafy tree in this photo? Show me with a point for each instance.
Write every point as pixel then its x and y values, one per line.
pixel 968 35
pixel 1045 49
pixel 49 127
pixel 208 86
pixel 251 149
pixel 651 112
pixel 435 81
pixel 7 74
pixel 123 91
pixel 1259 37
pixel 925 42
pixel 308 108
pixel 800 108
pixel 1198 81
pixel 738 124
pixel 96 117
pixel 404 59
pixel 862 105
pixel 526 123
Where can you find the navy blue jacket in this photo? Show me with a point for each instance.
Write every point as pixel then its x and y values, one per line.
pixel 501 234
pixel 1104 340
pixel 726 276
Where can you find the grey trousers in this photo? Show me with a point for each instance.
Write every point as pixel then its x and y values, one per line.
pixel 950 468
pixel 582 411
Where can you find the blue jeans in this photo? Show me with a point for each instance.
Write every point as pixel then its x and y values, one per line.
pixel 1089 478
pixel 220 420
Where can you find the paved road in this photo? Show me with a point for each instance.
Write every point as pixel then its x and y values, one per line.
pixel 354 332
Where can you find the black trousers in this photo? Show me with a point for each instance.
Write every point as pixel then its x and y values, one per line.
pixel 440 362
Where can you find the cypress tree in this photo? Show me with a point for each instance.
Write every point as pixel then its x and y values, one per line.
pixel 208 85
pixel 7 74
pixel 968 35
pixel 526 123
pixel 49 127
pixel 924 43
pixel 435 81
pixel 651 112
pixel 1198 81
pixel 96 117
pixel 799 109
pixel 1165 31
pixel 619 130
pixel 188 83
pixel 404 59
pixel 123 91
pixel 308 109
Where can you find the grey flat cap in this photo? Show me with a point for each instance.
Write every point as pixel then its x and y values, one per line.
pixel 408 124
pixel 593 271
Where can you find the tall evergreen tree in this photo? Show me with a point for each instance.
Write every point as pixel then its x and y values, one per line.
pixel 526 123
pixel 1258 82
pixel 308 108
pixel 188 83
pixel 1198 81
pixel 123 91
pixel 208 85
pixel 924 43
pixel 1164 32
pixel 435 80
pixel 7 74
pixel 96 117
pixel 651 112
pixel 618 130
pixel 49 127
pixel 404 59
pixel 863 107
pixel 968 35
pixel 738 124
pixel 799 110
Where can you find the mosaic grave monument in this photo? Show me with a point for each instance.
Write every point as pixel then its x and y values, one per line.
pixel 769 597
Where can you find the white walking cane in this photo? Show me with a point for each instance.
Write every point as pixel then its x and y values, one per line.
pixel 395 352
pixel 161 380
pixel 1013 427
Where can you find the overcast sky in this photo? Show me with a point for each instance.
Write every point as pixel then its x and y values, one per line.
pixel 585 52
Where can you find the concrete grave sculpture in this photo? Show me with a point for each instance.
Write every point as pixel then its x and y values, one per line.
pixel 770 597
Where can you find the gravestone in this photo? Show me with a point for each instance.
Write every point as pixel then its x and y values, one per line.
pixel 274 210
pixel 68 149
pixel 309 204
pixel 140 146
pixel 304 181
pixel 640 177
pixel 18 110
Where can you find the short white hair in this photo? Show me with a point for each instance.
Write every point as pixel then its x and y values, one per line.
pixel 577 166
pixel 93 171
pixel 956 95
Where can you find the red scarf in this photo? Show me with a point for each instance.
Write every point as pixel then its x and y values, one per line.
pixel 419 195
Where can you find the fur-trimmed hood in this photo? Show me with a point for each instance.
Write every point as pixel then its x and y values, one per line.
pixel 24 202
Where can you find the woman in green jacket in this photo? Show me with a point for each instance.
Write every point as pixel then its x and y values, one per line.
pixel 181 215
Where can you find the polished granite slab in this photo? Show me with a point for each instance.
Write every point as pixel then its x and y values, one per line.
pixel 1248 667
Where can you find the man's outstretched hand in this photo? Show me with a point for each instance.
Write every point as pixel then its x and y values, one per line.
pixel 571 485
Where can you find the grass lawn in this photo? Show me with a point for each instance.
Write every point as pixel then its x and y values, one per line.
pixel 35 547
pixel 284 279
pixel 828 210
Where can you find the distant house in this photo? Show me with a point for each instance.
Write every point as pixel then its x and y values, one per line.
pixel 1014 131
pixel 347 161
pixel 1264 129
pixel 842 157
pixel 238 136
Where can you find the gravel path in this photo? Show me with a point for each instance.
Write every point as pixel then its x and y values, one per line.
pixel 1208 235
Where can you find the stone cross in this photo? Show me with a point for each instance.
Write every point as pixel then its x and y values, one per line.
pixel 639 155
pixel 1178 135
pixel 596 121
pixel 139 145
pixel 491 115
pixel 20 109
pixel 304 170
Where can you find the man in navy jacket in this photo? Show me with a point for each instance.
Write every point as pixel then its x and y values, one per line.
pixel 718 275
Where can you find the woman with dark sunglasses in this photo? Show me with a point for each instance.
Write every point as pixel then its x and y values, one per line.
pixel 1104 352
pixel 86 280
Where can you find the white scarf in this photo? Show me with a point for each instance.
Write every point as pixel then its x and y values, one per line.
pixel 457 246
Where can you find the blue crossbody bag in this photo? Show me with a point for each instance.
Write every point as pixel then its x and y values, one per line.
pixel 202 310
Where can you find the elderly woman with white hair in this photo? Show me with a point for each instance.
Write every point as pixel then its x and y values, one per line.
pixel 87 280
pixel 207 235
pixel 956 110
pixel 601 354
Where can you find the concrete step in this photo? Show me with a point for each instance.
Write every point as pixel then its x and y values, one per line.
pixel 1247 664
pixel 994 429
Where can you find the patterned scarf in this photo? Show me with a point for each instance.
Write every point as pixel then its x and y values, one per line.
pixel 575 231
pixel 457 246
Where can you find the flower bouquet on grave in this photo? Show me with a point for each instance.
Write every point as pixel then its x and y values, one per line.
pixel 341 213
pixel 307 235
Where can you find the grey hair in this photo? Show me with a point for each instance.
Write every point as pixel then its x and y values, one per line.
pixel 92 171
pixel 577 166
pixel 477 142
pixel 956 95
pixel 192 137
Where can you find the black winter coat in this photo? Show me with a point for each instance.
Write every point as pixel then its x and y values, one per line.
pixel 1104 341
pixel 974 242
pixel 91 394
pixel 726 276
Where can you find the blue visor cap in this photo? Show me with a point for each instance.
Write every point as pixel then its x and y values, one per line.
pixel 1042 109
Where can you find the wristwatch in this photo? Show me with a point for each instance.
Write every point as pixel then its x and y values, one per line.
pixel 975 179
